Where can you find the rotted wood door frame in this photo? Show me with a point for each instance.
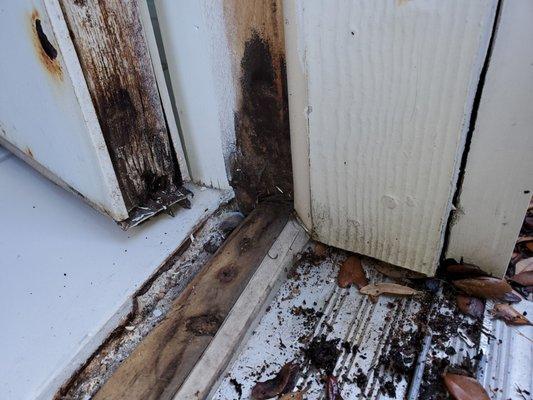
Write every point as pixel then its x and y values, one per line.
pixel 102 66
pixel 113 52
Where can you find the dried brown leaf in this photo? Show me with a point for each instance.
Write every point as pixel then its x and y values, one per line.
pixel 487 287
pixel 524 239
pixel 470 305
pixel 351 272
pixel 524 265
pixel 461 271
pixel 282 383
pixel 388 288
pixel 463 387
pixel 529 246
pixel 524 278
pixel 299 395
pixel 507 313
pixel 320 249
pixel 332 388
pixel 392 271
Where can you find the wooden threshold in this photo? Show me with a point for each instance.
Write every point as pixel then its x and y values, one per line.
pixel 163 360
pixel 245 314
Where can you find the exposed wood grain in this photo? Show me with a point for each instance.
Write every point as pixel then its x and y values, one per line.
pixel 245 314
pixel 165 357
pixel 110 43
pixel 389 91
pixel 261 166
pixel 498 179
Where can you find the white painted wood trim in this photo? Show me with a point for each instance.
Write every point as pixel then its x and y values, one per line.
pixel 194 37
pixel 298 112
pixel 244 314
pixel 172 123
pixel 498 179
pixel 390 86
pixel 116 209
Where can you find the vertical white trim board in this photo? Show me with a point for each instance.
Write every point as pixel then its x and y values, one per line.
pixel 498 178
pixel 389 90
pixel 148 26
pixel 193 34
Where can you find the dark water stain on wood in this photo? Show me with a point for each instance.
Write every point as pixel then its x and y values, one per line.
pixel 261 166
pixel 204 325
pixel 228 274
pixel 113 53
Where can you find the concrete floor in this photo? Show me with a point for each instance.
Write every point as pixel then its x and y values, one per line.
pixel 68 275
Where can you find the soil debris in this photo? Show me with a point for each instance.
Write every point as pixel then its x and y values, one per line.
pixel 237 386
pixel 323 353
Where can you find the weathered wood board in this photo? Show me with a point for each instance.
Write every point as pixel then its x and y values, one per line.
pixel 245 314
pixel 382 92
pixel 234 56
pixel 113 52
pixel 162 361
pixel 498 179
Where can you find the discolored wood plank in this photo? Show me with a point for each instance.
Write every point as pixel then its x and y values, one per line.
pixel 162 361
pixel 110 43
pixel 261 165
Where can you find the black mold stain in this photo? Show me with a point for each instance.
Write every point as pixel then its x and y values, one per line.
pixel 48 48
pixel 261 167
pixel 204 325
pixel 227 274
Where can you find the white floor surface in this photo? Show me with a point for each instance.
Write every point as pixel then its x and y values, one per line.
pixel 68 274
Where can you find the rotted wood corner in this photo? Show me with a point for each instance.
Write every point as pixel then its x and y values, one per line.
pixel 114 56
pixel 261 166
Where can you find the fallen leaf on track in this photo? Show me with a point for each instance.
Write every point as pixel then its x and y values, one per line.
pixel 332 389
pixel 463 387
pixel 388 288
pixel 392 271
pixel 282 383
pixel 507 313
pixel 320 249
pixel 351 272
pixel 524 239
pixel 460 271
pixel 524 278
pixel 486 287
pixel 524 265
pixel 470 305
pixel 299 395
